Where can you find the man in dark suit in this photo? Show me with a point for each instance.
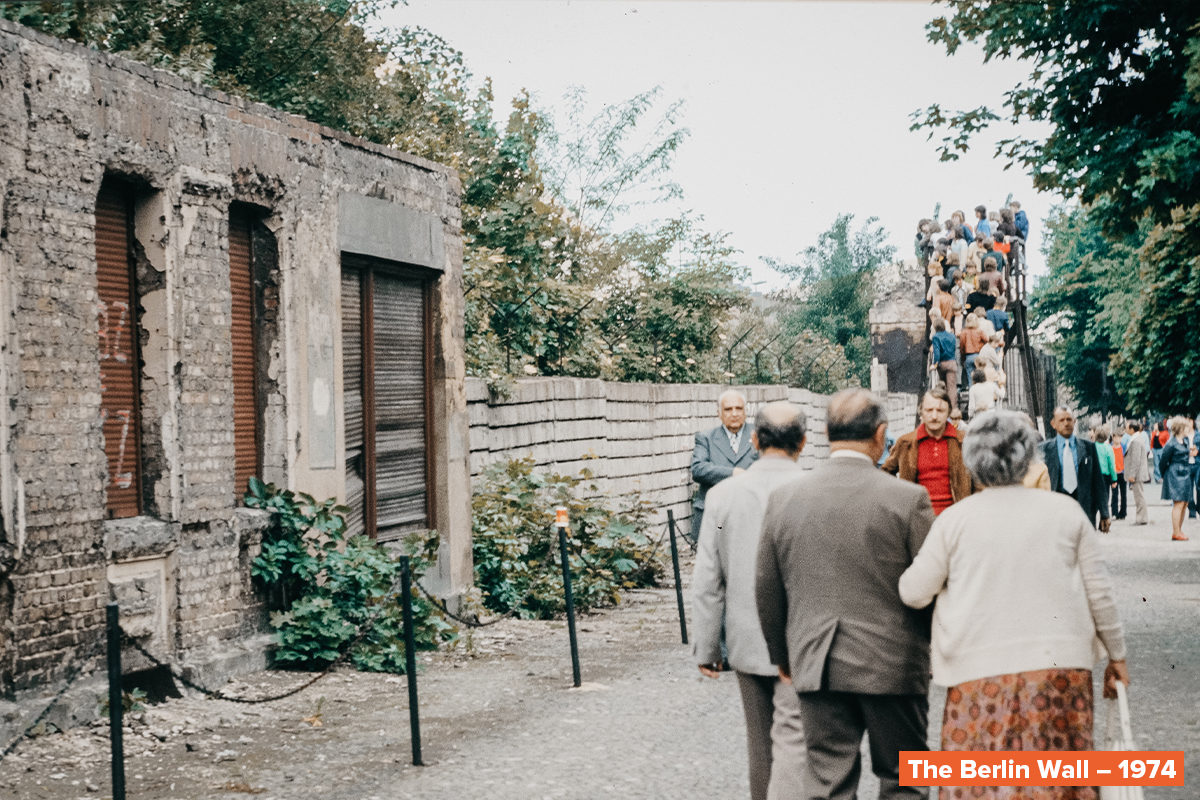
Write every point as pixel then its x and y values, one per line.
pixel 721 453
pixel 1078 476
pixel 834 544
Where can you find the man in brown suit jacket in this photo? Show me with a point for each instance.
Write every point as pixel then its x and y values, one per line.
pixel 834 544
pixel 932 454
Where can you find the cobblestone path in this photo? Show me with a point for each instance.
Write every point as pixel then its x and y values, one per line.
pixel 501 722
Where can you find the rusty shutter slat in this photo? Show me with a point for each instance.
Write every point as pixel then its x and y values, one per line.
pixel 119 398
pixel 399 348
pixel 352 396
pixel 245 406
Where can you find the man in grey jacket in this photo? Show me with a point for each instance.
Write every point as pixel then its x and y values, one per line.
pixel 720 453
pixel 1137 471
pixel 723 597
pixel 834 544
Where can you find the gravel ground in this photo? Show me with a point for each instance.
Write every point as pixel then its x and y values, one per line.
pixel 499 719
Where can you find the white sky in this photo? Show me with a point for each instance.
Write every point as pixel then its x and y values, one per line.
pixel 798 111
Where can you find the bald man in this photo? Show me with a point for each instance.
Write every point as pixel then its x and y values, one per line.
pixel 720 453
pixel 723 604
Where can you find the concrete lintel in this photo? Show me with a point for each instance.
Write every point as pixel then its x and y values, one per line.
pixel 371 227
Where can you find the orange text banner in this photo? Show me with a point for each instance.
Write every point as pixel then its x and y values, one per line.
pixel 1058 768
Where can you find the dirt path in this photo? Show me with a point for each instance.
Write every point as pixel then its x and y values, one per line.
pixel 498 717
pixel 500 721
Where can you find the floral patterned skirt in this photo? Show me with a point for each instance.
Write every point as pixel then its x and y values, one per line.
pixel 1049 709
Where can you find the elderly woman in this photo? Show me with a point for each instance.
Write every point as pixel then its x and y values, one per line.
pixel 1177 472
pixel 1024 608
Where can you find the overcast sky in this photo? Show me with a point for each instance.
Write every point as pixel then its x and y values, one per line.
pixel 798 111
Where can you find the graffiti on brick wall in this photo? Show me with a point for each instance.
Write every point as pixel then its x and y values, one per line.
pixel 114 350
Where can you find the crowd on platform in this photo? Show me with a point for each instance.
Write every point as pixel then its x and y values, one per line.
pixel 969 555
pixel 970 272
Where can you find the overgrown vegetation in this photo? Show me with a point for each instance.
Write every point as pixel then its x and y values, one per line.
pixel 556 281
pixel 132 702
pixel 516 549
pixel 1085 300
pixel 325 588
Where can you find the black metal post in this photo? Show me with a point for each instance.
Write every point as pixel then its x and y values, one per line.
pixel 116 708
pixel 410 660
pixel 678 581
pixel 566 571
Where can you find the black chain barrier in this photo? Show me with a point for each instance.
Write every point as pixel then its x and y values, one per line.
pixel 363 630
pixel 516 607
pixel 403 579
pixel 475 623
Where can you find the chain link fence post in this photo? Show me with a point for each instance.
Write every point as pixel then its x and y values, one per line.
pixel 561 522
pixel 410 659
pixel 678 581
pixel 116 701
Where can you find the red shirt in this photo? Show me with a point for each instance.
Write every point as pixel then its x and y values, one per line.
pixel 933 466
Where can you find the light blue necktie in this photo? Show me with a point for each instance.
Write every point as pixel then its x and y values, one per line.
pixel 1070 479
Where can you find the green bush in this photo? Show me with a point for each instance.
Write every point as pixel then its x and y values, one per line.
pixel 324 586
pixel 516 549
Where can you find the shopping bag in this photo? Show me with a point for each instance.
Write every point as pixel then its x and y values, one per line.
pixel 1119 737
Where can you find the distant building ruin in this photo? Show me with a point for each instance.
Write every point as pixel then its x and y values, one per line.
pixel 195 289
pixel 898 326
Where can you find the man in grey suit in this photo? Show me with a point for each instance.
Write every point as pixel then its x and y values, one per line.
pixel 720 453
pixel 834 544
pixel 723 598
pixel 1137 471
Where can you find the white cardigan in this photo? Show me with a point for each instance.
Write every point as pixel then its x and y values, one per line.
pixel 1019 584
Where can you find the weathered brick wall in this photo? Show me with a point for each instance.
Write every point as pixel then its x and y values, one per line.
pixel 71 118
pixel 636 438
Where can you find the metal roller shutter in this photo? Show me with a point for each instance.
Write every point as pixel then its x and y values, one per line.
pixel 384 357
pixel 119 396
pixel 245 406
pixel 352 397
pixel 399 405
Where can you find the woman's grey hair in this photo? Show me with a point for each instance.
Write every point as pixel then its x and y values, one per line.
pixel 1000 448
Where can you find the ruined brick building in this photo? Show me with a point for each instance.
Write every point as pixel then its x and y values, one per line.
pixel 195 289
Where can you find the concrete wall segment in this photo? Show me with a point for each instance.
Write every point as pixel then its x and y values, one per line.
pixel 637 438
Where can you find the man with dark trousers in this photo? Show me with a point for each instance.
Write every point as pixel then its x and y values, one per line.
pixel 720 453
pixel 834 544
pixel 1079 474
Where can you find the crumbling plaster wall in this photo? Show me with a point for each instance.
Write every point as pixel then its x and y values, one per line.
pixel 69 118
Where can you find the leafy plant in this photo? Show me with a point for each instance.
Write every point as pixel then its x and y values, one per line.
pixel 516 549
pixel 132 702
pixel 326 587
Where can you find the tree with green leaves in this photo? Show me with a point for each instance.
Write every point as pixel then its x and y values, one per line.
pixel 1160 356
pixel 1118 84
pixel 545 271
pixel 666 309
pixel 1087 299
pixel 836 288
